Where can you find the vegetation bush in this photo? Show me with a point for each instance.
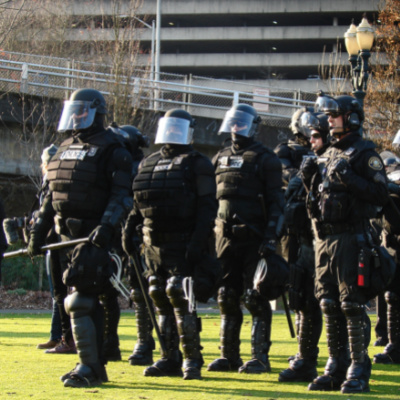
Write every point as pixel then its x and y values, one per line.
pixel 23 273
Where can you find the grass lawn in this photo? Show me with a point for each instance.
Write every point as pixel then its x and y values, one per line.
pixel 28 373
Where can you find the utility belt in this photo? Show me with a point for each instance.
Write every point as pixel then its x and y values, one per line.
pixel 238 231
pixel 151 238
pixel 73 226
pixel 326 229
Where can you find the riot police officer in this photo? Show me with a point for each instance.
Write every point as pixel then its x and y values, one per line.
pixel 174 206
pixel 302 299
pixel 143 350
pixel 390 239
pixel 89 196
pixel 249 179
pixel 346 186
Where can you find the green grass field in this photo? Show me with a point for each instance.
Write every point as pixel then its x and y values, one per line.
pixel 28 373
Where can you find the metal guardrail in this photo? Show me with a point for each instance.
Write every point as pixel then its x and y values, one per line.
pixel 57 78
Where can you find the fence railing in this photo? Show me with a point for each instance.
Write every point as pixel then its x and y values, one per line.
pixel 201 96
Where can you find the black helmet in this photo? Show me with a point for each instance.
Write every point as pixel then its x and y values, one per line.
pixel 135 136
pixel 348 106
pixel 317 122
pixel 84 107
pixel 176 127
pixel 244 117
pixel 299 126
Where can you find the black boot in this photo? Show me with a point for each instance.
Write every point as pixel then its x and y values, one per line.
pixel 171 361
pixel 359 372
pixel 303 368
pixel 337 340
pixel 143 350
pixel 231 323
pixel 391 354
pixel 189 328
pixel 88 338
pixel 260 310
pixel 112 313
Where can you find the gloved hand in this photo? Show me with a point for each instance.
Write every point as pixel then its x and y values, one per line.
pixel 102 235
pixel 308 167
pixel 129 238
pixel 340 166
pixel 293 187
pixel 34 245
pixel 394 188
pixel 268 246
pixel 193 252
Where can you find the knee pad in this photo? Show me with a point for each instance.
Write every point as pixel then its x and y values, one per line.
pixel 351 309
pixel 79 305
pixel 392 299
pixel 175 292
pixel 157 292
pixel 228 301
pixel 330 306
pixel 255 303
pixel 137 296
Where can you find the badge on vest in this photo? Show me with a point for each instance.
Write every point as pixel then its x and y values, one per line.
pixel 72 154
pixel 231 162
pixel 163 165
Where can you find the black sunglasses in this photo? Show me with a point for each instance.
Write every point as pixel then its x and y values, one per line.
pixel 334 114
pixel 316 135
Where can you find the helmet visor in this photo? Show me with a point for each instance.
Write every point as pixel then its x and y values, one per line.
pixel 238 122
pixel 396 139
pixel 328 106
pixel 76 115
pixel 173 130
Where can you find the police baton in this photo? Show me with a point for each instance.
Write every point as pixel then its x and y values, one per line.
pixel 136 265
pixel 43 249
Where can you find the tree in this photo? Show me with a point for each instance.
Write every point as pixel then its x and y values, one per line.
pixel 105 39
pixel 383 91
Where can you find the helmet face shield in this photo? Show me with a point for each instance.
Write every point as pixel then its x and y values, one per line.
pixel 77 115
pixel 173 130
pixel 328 106
pixel 239 123
pixel 396 140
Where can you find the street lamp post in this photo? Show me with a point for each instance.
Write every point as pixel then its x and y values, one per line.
pixel 359 41
pixel 153 37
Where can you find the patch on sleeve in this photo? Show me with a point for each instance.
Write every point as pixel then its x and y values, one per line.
pixel 375 163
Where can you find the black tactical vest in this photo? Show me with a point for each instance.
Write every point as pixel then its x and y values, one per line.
pixel 238 176
pixel 77 176
pixel 164 187
pixel 337 203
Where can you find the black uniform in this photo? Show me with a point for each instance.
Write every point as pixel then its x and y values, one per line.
pixel 174 202
pixel 90 183
pixel 344 195
pixel 391 240
pixel 249 180
pixel 301 257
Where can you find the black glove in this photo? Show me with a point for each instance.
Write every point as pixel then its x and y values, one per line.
pixel 267 247
pixel 293 187
pixel 394 188
pixel 129 238
pixel 34 245
pixel 340 166
pixel 102 235
pixel 308 167
pixel 193 252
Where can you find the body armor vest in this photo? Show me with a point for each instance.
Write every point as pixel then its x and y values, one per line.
pixel 164 187
pixel 77 177
pixel 238 176
pixel 336 203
